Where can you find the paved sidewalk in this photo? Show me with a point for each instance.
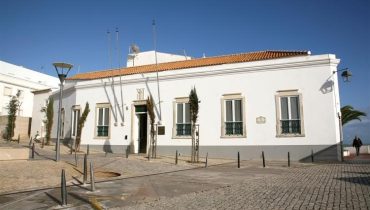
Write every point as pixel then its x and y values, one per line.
pixel 43 172
pixel 160 184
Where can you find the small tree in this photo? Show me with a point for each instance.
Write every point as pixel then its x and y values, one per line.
pixel 150 108
pixel 13 107
pixel 80 125
pixel 49 116
pixel 194 109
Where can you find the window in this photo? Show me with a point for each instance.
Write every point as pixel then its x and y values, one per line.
pixel 102 124
pixel 233 119
pixel 75 120
pixel 182 123
pixel 289 114
pixel 7 91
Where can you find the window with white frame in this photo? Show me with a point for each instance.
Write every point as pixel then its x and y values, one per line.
pixel 75 120
pixel 233 119
pixel 181 118
pixel 102 120
pixel 183 124
pixel 7 91
pixel 289 114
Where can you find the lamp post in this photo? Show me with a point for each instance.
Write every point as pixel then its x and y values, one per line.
pixel 346 76
pixel 62 71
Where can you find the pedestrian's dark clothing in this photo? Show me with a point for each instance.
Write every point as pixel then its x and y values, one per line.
pixel 357 143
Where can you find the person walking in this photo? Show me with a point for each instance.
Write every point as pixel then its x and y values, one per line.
pixel 357 143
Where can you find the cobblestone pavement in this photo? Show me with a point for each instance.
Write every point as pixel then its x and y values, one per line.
pixel 160 184
pixel 332 186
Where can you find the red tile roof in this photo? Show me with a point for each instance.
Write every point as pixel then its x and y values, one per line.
pixel 186 64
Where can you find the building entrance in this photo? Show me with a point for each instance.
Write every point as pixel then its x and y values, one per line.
pixel 142 125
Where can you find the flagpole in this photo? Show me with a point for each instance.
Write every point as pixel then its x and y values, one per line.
pixel 156 64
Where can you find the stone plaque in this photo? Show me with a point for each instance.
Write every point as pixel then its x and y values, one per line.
pixel 260 120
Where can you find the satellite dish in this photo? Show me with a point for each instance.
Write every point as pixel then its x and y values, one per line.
pixel 134 49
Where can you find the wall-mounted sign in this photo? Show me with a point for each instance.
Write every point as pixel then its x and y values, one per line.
pixel 260 120
pixel 161 130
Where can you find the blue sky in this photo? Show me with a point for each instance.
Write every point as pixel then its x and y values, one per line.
pixel 36 33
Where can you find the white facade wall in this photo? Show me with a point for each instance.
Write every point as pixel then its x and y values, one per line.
pixel 258 82
pixel 39 103
pixel 69 99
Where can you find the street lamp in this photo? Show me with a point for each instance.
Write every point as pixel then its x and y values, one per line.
pixel 62 71
pixel 346 76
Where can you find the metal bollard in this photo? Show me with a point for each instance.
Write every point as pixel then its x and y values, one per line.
pixel 176 158
pixel 88 149
pixel 238 160
pixel 312 155
pixel 85 169
pixel 263 159
pixel 92 177
pixel 71 151
pixel 63 189
pixel 206 160
pixel 127 151
pixel 33 150
pixel 288 159
pixel 76 159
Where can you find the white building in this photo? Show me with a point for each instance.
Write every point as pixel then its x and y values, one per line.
pixel 271 101
pixel 15 79
pixel 149 57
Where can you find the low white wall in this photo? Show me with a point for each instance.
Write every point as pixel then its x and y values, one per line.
pixel 364 149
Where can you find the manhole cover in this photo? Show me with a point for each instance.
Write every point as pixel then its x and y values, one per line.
pixel 106 174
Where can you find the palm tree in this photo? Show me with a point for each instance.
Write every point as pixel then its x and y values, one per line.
pixel 349 114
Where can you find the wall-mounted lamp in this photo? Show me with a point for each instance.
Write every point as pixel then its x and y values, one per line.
pixel 346 74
